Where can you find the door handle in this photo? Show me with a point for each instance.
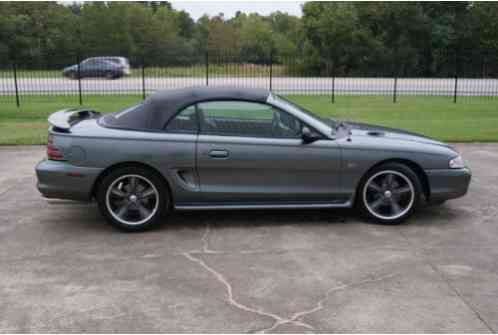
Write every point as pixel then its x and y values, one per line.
pixel 218 153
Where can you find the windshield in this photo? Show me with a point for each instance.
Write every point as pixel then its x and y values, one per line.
pixel 290 105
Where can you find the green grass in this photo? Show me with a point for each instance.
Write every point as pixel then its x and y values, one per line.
pixel 471 119
pixel 28 124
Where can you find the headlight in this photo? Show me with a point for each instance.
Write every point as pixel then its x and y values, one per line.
pixel 457 163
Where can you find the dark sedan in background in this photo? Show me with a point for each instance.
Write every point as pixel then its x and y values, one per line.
pixel 229 148
pixel 99 67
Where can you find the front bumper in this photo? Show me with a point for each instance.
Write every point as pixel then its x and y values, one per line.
pixel 448 183
pixel 63 180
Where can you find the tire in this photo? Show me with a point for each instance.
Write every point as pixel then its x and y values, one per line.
pixel 389 194
pixel 133 198
pixel 436 203
pixel 73 75
pixel 110 75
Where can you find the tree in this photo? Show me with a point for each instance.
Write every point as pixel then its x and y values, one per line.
pixel 256 40
pixel 223 37
pixel 366 38
pixel 335 34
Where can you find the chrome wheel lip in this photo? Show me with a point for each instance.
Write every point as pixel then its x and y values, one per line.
pixel 115 216
pixel 404 211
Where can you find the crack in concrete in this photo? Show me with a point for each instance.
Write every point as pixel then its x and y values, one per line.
pixel 190 255
pixel 230 297
pixel 278 320
pixel 205 241
pixel 320 303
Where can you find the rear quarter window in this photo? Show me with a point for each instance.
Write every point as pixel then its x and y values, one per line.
pixel 131 118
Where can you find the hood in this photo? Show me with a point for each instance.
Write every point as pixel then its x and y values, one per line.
pixel 364 129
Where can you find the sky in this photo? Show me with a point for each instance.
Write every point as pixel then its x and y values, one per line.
pixel 198 8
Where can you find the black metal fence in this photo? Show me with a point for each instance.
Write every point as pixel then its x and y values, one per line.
pixel 456 75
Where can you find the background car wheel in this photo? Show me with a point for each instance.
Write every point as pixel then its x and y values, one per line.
pixel 110 75
pixel 73 75
pixel 133 198
pixel 389 194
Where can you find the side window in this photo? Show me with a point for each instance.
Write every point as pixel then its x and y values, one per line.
pixel 184 122
pixel 242 118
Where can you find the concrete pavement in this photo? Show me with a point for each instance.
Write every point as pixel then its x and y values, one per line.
pixel 62 269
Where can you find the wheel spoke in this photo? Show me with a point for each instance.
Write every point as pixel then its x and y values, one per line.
pixel 395 207
pixel 147 193
pixel 118 193
pixel 133 184
pixel 144 212
pixel 123 210
pixel 402 190
pixel 390 180
pixel 374 186
pixel 376 203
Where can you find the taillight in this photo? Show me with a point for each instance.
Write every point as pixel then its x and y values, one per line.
pixel 52 152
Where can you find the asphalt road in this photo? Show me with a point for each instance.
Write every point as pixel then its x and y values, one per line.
pixel 64 270
pixel 283 85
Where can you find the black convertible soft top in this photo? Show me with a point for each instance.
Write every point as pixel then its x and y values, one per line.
pixel 158 108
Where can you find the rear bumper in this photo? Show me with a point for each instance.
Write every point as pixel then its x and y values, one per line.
pixel 448 183
pixel 62 180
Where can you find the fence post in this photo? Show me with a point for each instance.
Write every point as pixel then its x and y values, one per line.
pixel 455 89
pixel 78 59
pixel 271 68
pixel 207 68
pixel 14 68
pixel 395 90
pixel 333 83
pixel 395 75
pixel 143 78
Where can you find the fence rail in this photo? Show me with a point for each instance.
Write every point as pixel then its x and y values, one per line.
pixel 466 77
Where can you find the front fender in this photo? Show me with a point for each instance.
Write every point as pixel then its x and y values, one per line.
pixel 359 156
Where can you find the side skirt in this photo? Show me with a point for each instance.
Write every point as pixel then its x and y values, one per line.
pixel 189 207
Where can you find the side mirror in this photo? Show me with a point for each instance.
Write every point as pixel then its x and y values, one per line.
pixel 308 136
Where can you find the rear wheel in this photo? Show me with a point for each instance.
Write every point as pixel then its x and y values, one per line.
pixel 133 198
pixel 390 193
pixel 110 75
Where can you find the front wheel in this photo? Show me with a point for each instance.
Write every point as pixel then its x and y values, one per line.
pixel 133 198
pixel 110 75
pixel 390 193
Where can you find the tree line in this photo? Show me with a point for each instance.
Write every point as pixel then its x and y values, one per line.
pixel 346 38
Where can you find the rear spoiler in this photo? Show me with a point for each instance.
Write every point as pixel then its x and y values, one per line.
pixel 66 118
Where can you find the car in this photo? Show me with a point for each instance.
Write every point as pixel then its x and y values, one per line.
pixel 205 148
pixel 106 67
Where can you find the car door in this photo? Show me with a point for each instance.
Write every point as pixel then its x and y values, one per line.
pixel 88 68
pixel 254 153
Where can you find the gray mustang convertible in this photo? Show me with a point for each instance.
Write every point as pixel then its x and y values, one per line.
pixel 228 148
